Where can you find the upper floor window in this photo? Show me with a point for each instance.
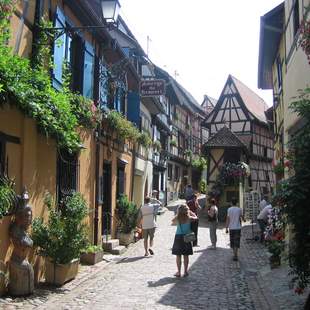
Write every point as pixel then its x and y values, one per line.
pixel 79 56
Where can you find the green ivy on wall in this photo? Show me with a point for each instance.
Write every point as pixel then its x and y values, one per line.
pixel 27 85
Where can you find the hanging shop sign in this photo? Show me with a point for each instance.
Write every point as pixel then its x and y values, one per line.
pixel 150 88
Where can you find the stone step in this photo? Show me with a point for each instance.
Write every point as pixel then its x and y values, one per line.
pixel 110 244
pixel 118 250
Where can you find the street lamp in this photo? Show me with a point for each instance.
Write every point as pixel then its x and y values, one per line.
pixel 110 10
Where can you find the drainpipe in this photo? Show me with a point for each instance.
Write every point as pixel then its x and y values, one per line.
pixel 96 218
pixel 133 170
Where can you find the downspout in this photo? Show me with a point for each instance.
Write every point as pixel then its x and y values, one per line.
pixel 96 218
pixel 133 170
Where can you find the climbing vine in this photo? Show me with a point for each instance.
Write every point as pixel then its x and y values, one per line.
pixel 27 85
pixel 293 195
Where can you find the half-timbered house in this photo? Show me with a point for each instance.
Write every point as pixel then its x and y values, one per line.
pixel 244 113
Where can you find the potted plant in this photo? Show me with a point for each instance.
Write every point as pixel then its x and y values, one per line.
pixel 127 214
pixel 275 248
pixel 62 238
pixel 92 254
pixel 157 146
pixel 173 143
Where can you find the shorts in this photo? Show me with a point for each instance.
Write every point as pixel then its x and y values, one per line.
pixel 235 235
pixel 148 232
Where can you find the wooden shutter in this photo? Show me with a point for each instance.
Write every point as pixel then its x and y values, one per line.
pixel 88 72
pixel 59 49
pixel 133 110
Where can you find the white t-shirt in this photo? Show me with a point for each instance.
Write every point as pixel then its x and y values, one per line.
pixel 148 212
pixel 234 214
pixel 263 215
pixel 262 205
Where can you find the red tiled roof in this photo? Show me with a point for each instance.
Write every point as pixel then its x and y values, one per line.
pixel 255 104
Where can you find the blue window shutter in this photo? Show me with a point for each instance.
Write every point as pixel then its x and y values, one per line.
pixel 133 108
pixel 88 72
pixel 59 49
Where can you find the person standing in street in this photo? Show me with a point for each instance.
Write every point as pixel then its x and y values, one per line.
pixel 262 220
pixel 213 220
pixel 147 216
pixel 263 203
pixel 233 223
pixel 189 192
pixel 194 207
pixel 181 248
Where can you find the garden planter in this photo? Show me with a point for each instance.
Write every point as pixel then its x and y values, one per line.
pixel 275 261
pixel 58 274
pixel 125 238
pixel 91 258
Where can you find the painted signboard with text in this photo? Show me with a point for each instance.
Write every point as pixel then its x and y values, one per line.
pixel 150 88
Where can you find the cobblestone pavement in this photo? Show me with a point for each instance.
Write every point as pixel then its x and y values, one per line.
pixel 132 281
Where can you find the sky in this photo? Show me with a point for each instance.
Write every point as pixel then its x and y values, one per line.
pixel 201 42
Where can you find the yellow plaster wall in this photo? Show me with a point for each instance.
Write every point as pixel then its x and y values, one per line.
pixel 32 163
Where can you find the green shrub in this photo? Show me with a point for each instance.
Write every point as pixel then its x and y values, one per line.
pixel 127 214
pixel 7 195
pixel 92 249
pixel 64 236
pixel 203 186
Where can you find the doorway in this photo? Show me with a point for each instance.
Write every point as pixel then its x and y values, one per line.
pixel 106 199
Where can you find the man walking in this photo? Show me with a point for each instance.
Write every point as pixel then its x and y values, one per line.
pixel 262 220
pixel 233 222
pixel 147 216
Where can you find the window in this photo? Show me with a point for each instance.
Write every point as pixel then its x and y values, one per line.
pixel 103 84
pixel 120 185
pixel 177 173
pixel 67 174
pixel 232 155
pixel 265 151
pixel 88 72
pixel 169 171
pixel 80 56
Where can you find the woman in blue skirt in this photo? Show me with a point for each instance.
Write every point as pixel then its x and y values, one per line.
pixel 183 221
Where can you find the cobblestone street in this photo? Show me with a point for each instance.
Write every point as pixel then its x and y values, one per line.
pixel 132 281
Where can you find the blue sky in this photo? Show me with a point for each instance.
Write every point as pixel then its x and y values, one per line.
pixel 201 41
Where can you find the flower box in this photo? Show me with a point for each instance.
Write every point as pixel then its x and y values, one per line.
pixel 59 274
pixel 92 258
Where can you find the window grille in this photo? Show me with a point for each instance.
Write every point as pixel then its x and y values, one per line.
pixel 67 174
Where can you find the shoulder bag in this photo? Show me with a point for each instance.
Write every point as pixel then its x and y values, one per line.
pixel 190 237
